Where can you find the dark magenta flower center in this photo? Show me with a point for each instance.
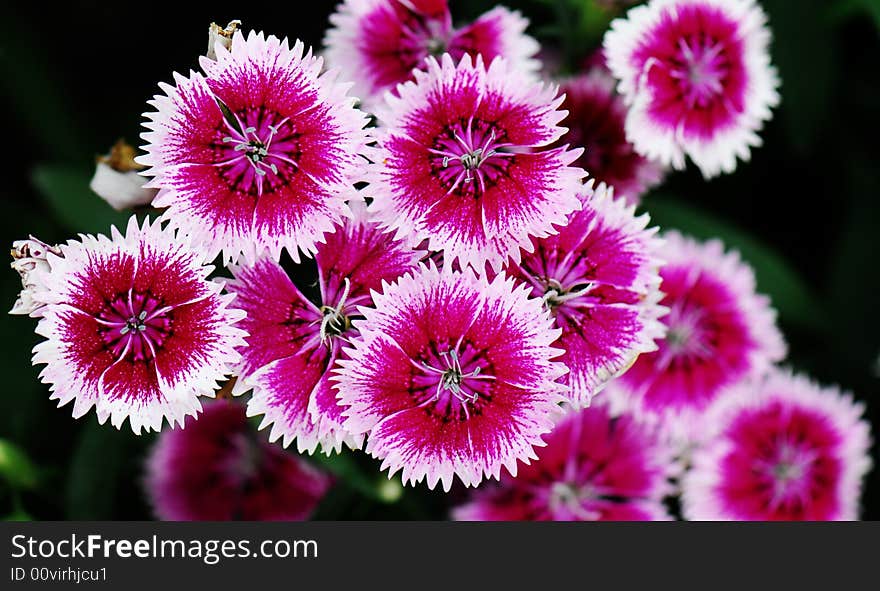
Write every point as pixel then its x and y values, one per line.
pixel 783 465
pixel 563 281
pixel 688 335
pixel 470 156
pixel 135 325
pixel 571 500
pixel 701 67
pixel 455 382
pixel 421 34
pixel 257 150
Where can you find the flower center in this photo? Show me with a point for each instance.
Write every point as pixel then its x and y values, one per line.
pixel 685 336
pixel 134 326
pixel 263 152
pixel 452 385
pixel 788 470
pixel 452 378
pixel 556 295
pixel 243 461
pixel 421 34
pixel 678 337
pixel 334 321
pixel 470 158
pixel 701 70
pixel 568 498
pixel 435 46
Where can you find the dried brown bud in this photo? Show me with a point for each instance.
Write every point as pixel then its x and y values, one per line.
pixel 217 34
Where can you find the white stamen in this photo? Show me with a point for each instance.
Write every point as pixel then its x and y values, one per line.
pixel 334 317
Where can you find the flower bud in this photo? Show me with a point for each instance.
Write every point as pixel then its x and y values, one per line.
pixel 117 181
pixel 29 258
pixel 217 34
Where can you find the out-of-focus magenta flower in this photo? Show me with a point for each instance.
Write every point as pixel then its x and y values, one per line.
pixel 379 43
pixel 462 162
pixel 259 153
pixel 293 344
pixel 595 122
pixel 453 375
pixel 217 468
pixel 781 448
pixel 719 332
pixel 596 467
pixel 134 327
pixel 600 279
pixel 697 78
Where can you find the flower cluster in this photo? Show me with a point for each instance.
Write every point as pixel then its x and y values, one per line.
pixel 422 268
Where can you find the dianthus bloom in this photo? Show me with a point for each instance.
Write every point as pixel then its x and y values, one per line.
pixel 600 279
pixel 452 375
pixel 218 469
pixel 379 43
pixel 719 332
pixel 596 467
pixel 783 448
pixel 260 153
pixel 462 162
pixel 134 327
pixel 697 77
pixel 293 343
pixel 595 121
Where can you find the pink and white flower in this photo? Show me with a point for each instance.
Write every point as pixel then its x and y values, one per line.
pixel 697 77
pixel 783 448
pixel 260 153
pixel 293 344
pixel 719 332
pixel 596 121
pixel 600 279
pixel 453 375
pixel 462 162
pixel 134 327
pixel 596 467
pixel 379 43
pixel 218 469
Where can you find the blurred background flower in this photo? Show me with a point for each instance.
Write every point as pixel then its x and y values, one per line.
pixel 803 212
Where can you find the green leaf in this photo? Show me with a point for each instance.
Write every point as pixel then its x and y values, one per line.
pixel 594 21
pixel 844 9
pixel 15 466
pixel 375 486
pixel 67 193
pixel 18 515
pixel 792 297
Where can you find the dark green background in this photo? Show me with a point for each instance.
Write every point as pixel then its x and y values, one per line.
pixel 804 211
